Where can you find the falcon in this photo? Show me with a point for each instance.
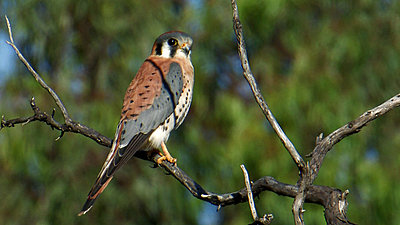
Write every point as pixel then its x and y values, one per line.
pixel 156 102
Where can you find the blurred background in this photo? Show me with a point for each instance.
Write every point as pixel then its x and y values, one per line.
pixel 319 65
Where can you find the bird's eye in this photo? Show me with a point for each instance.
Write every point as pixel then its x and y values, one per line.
pixel 172 42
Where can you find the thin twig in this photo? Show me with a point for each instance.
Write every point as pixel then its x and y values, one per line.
pixel 237 26
pixel 9 29
pixel 38 78
pixel 266 219
pixel 249 193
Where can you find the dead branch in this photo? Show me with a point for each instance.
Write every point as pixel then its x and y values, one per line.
pixel 321 195
pixel 298 202
pixel 69 125
pixel 237 26
pixel 308 171
pixel 73 126
pixel 266 219
pixel 352 127
pixel 37 77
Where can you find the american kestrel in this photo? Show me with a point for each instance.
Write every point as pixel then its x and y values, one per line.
pixel 156 102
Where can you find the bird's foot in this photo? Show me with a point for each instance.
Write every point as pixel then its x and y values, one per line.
pixel 166 155
pixel 167 158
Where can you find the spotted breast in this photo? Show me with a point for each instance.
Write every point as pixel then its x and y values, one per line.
pixel 182 76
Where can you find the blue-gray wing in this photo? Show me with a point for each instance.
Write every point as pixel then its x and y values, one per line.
pixel 162 107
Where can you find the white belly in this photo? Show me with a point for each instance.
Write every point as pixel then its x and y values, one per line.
pixel 161 134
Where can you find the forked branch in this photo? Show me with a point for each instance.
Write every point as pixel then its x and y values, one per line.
pixel 308 171
pixel 38 78
pixel 325 145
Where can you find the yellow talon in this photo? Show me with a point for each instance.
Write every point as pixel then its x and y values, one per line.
pixel 166 155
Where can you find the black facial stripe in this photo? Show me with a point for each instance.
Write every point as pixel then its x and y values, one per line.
pixel 173 52
pixel 158 49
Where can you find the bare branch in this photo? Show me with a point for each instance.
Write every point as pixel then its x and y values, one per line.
pixel 332 199
pixel 74 127
pixel 298 203
pixel 352 127
pixel 297 207
pixel 69 126
pixel 237 26
pixel 323 146
pixel 314 194
pixel 308 172
pixel 249 193
pixel 266 219
pixel 9 29
pixel 38 78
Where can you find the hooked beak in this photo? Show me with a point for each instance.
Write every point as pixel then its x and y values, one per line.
pixel 185 48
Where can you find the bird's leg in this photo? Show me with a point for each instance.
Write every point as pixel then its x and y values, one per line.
pixel 166 155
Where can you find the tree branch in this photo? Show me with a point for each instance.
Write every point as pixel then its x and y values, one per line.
pixel 325 145
pixel 69 126
pixel 39 79
pixel 237 26
pixel 73 127
pixel 308 171
pixel 266 219
pixel 298 202
pixel 315 194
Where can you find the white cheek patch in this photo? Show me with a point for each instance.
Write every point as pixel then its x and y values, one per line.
pixel 165 51
pixel 181 53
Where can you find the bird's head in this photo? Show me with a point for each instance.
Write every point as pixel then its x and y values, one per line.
pixel 173 44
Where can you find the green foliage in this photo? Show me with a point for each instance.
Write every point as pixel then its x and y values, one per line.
pixel 319 65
